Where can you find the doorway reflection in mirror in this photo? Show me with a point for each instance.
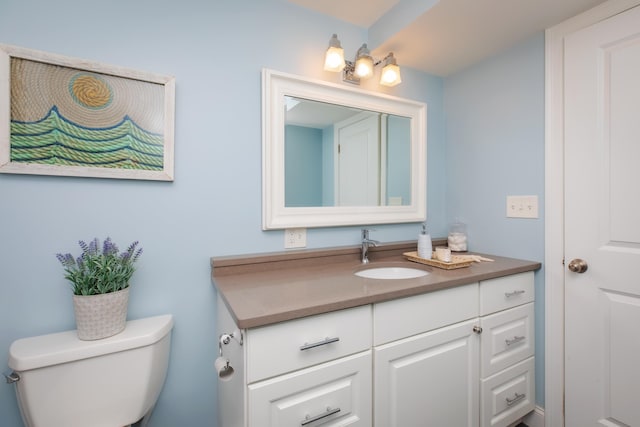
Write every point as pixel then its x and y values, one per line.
pixel 342 156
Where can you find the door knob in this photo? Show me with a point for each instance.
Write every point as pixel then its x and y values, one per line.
pixel 578 265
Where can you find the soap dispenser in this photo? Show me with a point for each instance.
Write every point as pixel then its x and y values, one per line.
pixel 424 243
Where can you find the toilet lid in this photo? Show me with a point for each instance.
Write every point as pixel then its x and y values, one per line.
pixel 63 347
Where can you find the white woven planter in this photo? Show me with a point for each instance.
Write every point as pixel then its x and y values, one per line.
pixel 101 316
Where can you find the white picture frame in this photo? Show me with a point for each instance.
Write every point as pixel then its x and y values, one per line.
pixel 72 117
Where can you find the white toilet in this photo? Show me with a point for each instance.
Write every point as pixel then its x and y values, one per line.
pixel 112 382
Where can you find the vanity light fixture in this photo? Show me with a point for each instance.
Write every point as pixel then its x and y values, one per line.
pixel 362 67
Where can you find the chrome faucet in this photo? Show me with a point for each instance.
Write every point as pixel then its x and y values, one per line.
pixel 366 243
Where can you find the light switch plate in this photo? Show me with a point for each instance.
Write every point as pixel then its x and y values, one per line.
pixel 522 206
pixel 295 238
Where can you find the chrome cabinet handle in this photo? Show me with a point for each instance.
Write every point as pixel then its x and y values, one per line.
pixel 515 340
pixel 309 419
pixel 477 329
pixel 326 341
pixel 513 294
pixel 516 399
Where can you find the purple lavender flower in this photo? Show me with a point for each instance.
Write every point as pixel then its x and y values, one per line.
pixel 69 259
pixel 137 255
pixel 93 246
pixel 100 269
pixel 66 260
pixel 109 248
pixel 132 247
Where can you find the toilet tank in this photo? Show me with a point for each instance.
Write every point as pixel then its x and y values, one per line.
pixel 104 383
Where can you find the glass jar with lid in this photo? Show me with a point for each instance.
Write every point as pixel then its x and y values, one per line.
pixel 457 239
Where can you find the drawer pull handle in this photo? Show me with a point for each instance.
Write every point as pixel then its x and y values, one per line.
pixel 319 343
pixel 515 340
pixel 516 399
pixel 309 419
pixel 513 294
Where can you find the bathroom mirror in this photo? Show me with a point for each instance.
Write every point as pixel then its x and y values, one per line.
pixel 335 155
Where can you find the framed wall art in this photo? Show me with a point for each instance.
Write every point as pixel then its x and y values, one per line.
pixel 66 116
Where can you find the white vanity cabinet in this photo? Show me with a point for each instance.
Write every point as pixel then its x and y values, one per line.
pixel 460 356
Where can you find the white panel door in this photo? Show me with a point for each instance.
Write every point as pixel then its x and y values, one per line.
pixel 602 223
pixel 431 379
pixel 358 161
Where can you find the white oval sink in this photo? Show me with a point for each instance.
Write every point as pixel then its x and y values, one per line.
pixel 391 273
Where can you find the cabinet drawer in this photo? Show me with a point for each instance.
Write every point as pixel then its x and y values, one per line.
pixel 508 395
pixel 506 292
pixel 507 337
pixel 284 347
pixel 404 317
pixel 331 394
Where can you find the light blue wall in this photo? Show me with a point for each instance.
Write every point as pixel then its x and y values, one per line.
pixel 216 50
pixel 495 147
pixel 494 133
pixel 303 166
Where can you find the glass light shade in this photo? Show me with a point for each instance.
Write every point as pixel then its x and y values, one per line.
pixel 364 67
pixel 334 59
pixel 390 75
pixel 364 63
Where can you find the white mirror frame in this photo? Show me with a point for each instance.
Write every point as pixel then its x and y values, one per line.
pixel 277 85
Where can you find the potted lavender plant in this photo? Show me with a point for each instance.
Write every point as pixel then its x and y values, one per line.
pixel 100 281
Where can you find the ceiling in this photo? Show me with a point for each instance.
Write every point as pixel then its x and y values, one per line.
pixel 442 37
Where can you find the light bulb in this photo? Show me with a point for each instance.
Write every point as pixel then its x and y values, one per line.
pixel 364 69
pixel 334 59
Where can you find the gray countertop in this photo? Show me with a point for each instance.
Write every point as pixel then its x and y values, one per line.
pixel 268 288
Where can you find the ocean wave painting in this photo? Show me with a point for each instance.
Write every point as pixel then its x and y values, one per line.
pixel 55 140
pixel 72 117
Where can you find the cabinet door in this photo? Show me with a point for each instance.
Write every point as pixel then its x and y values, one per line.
pixel 336 393
pixel 429 379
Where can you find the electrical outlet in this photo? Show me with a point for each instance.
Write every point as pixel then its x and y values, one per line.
pixel 295 238
pixel 522 206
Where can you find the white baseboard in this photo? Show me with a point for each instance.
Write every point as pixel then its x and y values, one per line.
pixel 535 418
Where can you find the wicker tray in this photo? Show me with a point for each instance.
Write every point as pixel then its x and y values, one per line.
pixel 456 261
